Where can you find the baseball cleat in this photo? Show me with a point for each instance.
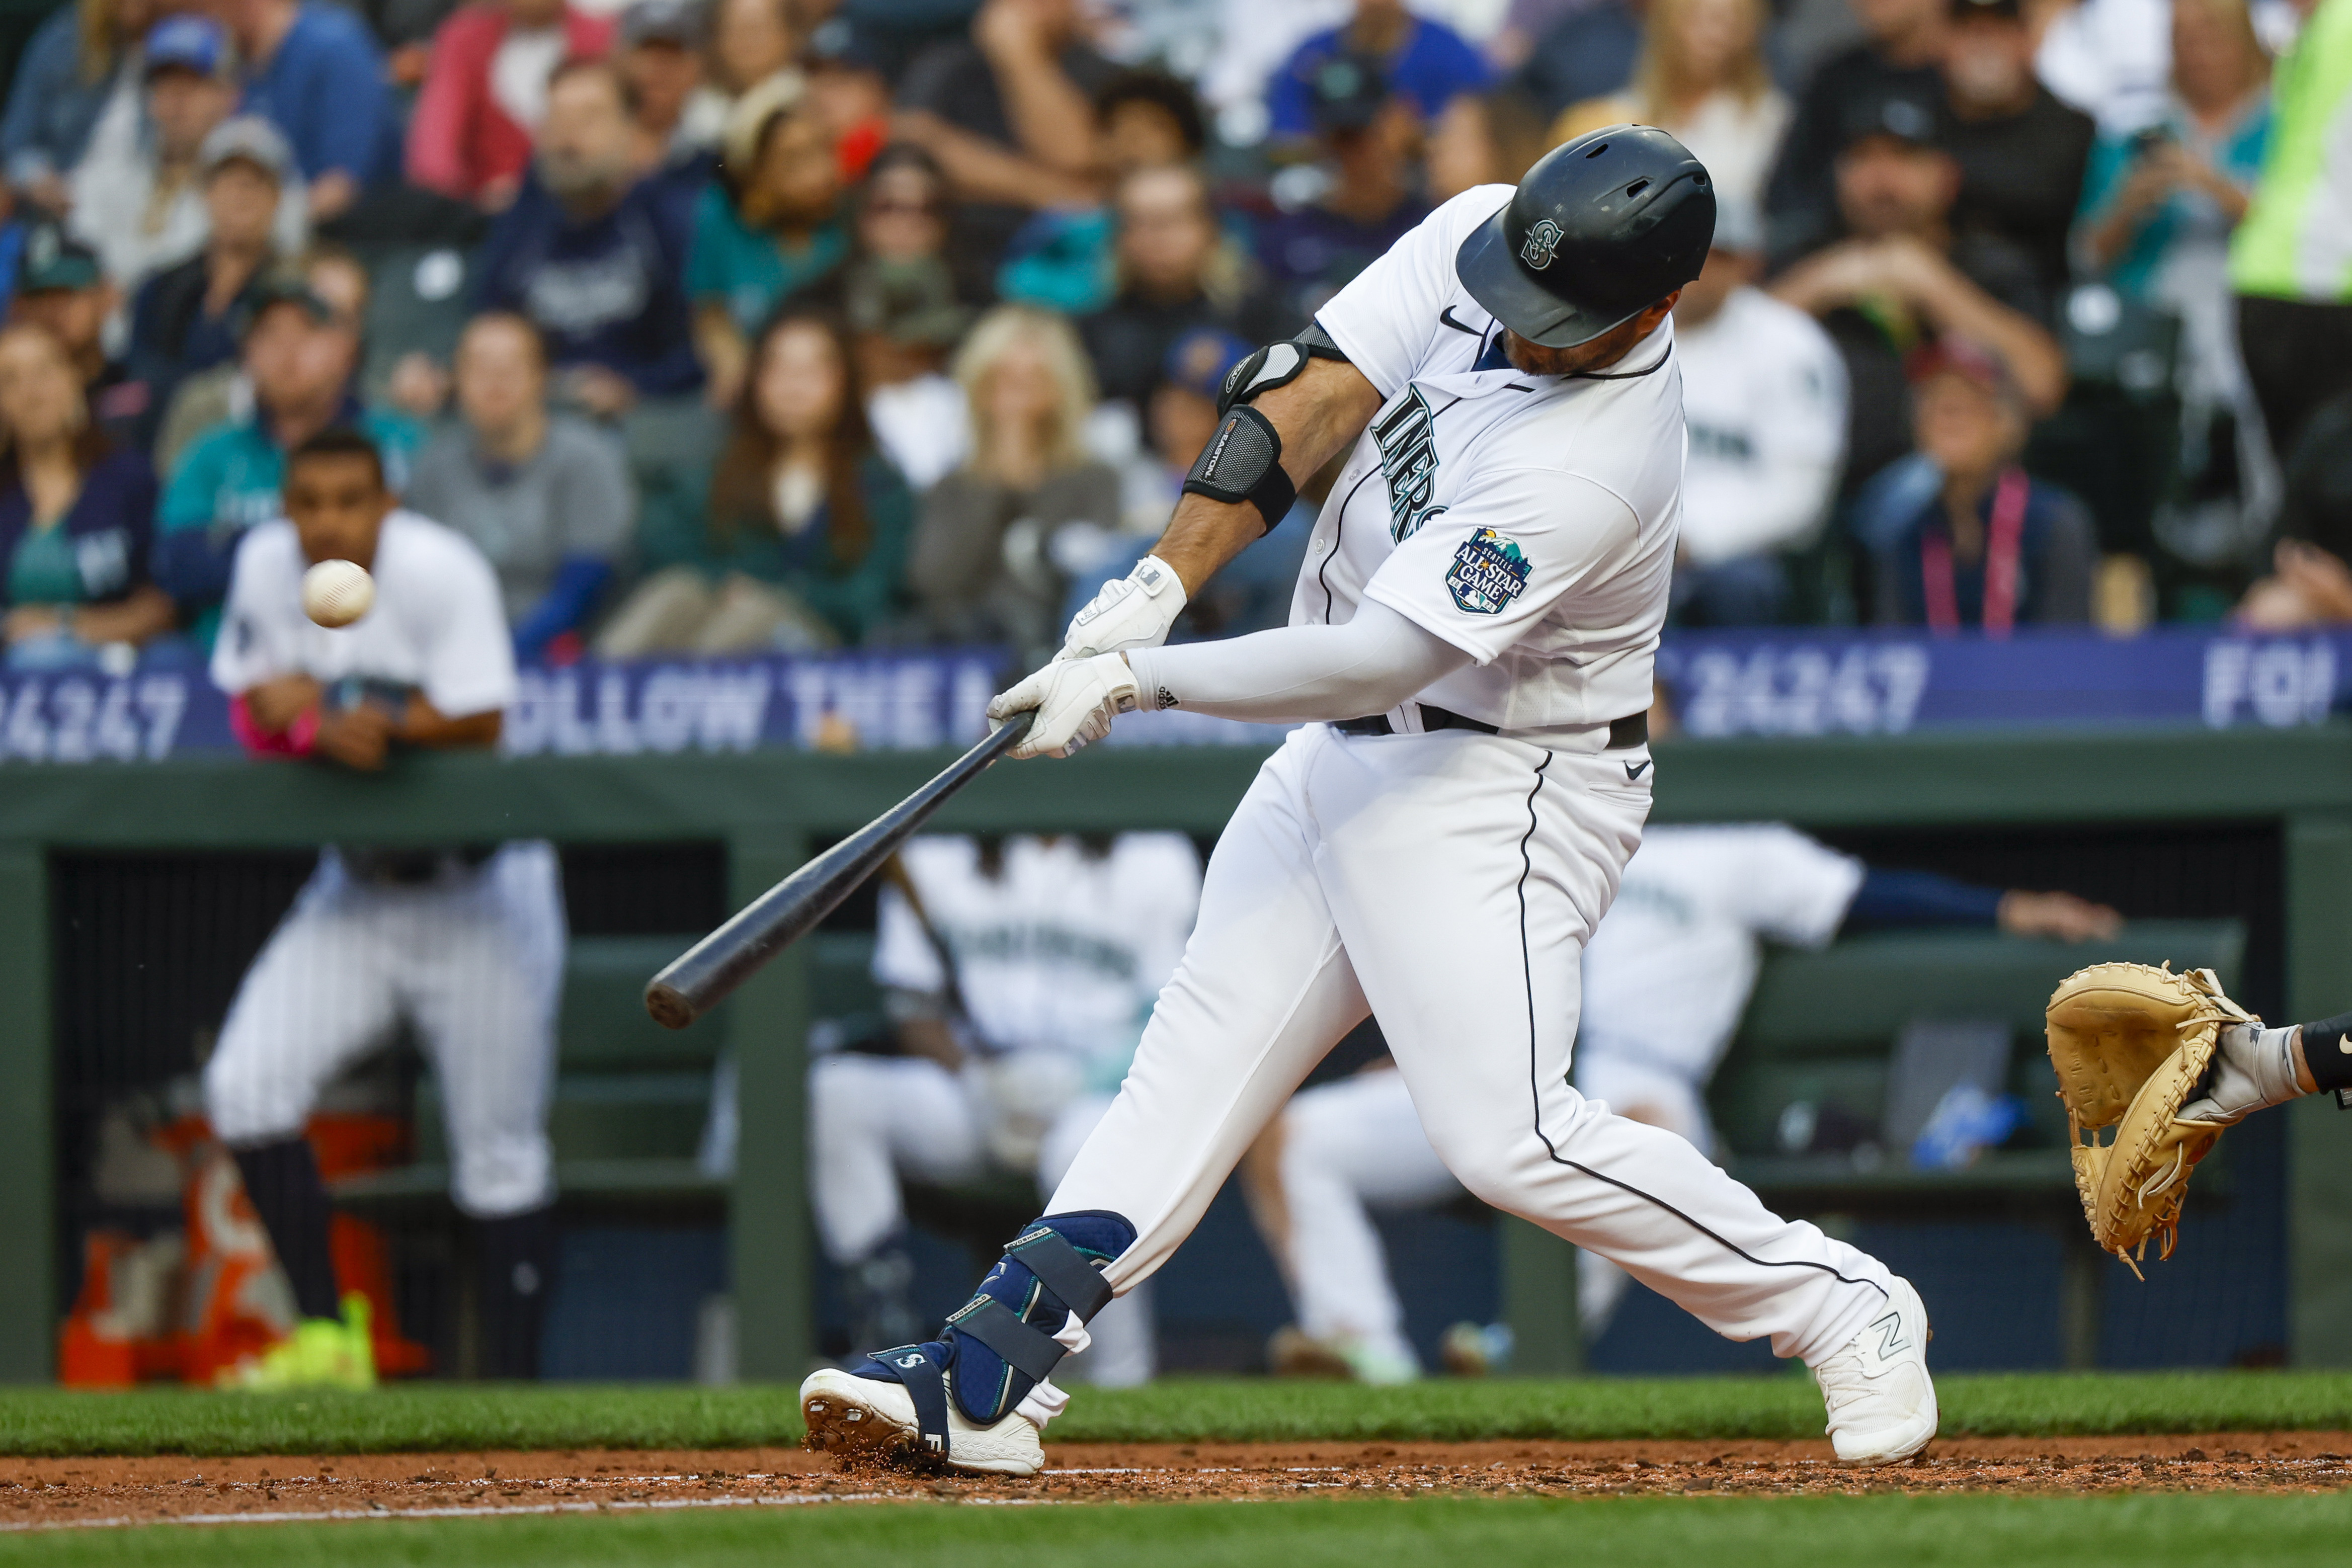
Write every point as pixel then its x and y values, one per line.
pixel 1882 1403
pixel 852 1416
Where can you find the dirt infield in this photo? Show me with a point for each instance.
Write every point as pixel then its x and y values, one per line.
pixel 49 1493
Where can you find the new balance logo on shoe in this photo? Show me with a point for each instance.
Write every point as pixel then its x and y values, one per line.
pixel 1890 1335
pixel 1633 770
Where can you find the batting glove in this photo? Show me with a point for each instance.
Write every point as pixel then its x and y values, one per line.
pixel 1135 612
pixel 2253 1066
pixel 1075 699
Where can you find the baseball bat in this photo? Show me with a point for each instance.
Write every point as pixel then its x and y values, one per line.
pixel 701 977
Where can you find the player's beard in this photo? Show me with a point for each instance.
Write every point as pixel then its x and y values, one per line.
pixel 1597 353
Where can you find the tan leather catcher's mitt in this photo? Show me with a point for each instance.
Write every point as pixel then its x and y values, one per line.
pixel 2130 1044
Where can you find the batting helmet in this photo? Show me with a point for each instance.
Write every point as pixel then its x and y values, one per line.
pixel 1598 231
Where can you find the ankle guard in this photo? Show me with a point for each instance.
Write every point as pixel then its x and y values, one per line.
pixel 1001 1344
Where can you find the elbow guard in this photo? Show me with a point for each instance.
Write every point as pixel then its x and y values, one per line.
pixel 1275 365
pixel 1243 462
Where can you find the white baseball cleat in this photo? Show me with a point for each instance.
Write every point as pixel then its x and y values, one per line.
pixel 1882 1403
pixel 848 1416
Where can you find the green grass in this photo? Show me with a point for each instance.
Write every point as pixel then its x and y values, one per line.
pixel 424 1417
pixel 2150 1531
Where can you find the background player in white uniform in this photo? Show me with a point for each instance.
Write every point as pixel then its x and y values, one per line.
pixel 466 944
pixel 1667 978
pixel 1487 577
pixel 1013 1039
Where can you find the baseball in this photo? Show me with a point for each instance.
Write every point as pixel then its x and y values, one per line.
pixel 337 592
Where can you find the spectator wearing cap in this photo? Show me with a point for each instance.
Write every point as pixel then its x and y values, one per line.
pixel 75 64
pixel 900 300
pixel 660 50
pixel 1491 138
pixel 1764 404
pixel 1968 540
pixel 546 496
pixel 1902 275
pixel 1702 77
pixel 1588 53
pixel 1899 58
pixel 139 200
pixel 224 394
pixel 593 252
pixel 986 562
pixel 314 70
pixel 471 135
pixel 2022 153
pixel 76 516
pixel 61 288
pixel 186 318
pixel 768 227
pixel 1426 64
pixel 302 357
pixel 1175 270
pixel 1367 136
pixel 2287 261
pixel 849 92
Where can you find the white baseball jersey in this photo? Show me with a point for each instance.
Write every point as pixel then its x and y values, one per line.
pixel 1062 950
pixel 437 624
pixel 1764 395
pixel 1529 520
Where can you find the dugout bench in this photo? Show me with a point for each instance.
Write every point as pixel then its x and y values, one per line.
pixel 768 809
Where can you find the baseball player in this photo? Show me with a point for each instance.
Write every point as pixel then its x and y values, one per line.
pixel 1017 976
pixel 465 943
pixel 1470 660
pixel 1667 978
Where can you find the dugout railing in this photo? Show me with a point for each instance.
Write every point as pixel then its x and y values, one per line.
pixel 2234 791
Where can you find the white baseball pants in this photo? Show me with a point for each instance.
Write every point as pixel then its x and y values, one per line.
pixel 1446 884
pixel 473 960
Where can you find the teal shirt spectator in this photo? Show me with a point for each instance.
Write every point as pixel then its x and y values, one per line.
pixel 2236 153
pixel 748 270
pixel 228 480
pixel 856 598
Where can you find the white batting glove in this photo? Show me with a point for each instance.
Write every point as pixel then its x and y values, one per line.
pixel 2253 1066
pixel 1135 612
pixel 1075 699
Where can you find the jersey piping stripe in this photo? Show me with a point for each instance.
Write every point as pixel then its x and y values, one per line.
pixel 1535 1087
pixel 1339 527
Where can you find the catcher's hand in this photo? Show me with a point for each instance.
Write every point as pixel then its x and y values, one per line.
pixel 2131 1044
pixel 2253 1066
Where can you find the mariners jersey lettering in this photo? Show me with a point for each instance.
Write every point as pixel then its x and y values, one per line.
pixel 1529 520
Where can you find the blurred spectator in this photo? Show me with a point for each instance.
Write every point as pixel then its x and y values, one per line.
pixel 985 566
pixel 593 254
pixel 1368 136
pixel 1984 546
pixel 547 497
pixel 77 63
pixel 471 135
pixel 2110 59
pixel 59 287
pixel 225 392
pixel 140 199
pixel 767 227
pixel 186 318
pixel 1702 76
pixel 2022 153
pixel 1426 63
pixel 1484 139
pixel 313 70
pixel 751 40
pixel 1254 39
pixel 1764 402
pixel 1899 59
pixel 2286 260
pixel 902 305
pixel 1903 276
pixel 1024 82
pixel 302 357
pixel 849 93
pixel 660 53
pixel 1588 53
pixel 1175 272
pixel 806 541
pixel 76 517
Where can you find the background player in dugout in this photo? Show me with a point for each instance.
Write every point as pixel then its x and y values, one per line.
pixel 464 944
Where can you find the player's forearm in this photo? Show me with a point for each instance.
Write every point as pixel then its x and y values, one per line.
pixel 426 726
pixel 1296 674
pixel 1960 308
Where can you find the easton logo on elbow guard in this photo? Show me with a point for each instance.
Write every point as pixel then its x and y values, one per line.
pixel 1488 571
pixel 1409 462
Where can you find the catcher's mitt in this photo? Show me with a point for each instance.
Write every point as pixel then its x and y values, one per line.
pixel 2130 1044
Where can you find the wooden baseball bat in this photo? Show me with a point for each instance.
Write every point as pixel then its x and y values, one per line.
pixel 701 977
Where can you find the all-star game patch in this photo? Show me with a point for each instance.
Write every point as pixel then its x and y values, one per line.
pixel 1488 572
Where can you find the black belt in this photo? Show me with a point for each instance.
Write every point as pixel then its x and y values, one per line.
pixel 1624 734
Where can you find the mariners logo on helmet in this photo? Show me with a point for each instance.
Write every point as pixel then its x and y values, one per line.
pixel 1542 244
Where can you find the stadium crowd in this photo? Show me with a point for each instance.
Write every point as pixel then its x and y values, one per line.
pixel 724 325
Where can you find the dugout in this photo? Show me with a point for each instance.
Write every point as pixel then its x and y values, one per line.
pixel 2243 826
